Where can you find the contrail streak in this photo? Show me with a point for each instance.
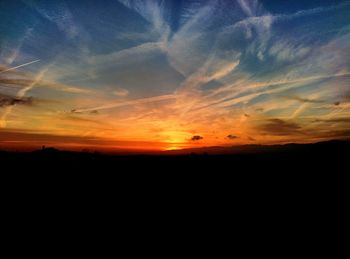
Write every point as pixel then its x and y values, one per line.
pixel 23 65
pixel 127 103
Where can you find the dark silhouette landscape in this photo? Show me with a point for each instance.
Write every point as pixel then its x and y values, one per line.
pixel 330 155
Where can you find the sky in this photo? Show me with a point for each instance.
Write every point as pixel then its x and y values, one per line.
pixel 166 74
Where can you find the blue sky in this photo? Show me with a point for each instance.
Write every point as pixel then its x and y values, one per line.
pixel 265 71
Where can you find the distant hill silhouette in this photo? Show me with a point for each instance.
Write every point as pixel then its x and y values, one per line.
pixel 49 150
pixel 324 146
pixel 331 155
pixel 246 174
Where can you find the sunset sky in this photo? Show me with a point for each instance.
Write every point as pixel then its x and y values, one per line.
pixel 172 74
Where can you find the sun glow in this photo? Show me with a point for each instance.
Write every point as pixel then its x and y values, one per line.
pixel 176 140
pixel 167 75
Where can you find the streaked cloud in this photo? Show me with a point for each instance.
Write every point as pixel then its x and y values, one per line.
pixel 232 137
pixel 174 71
pixel 11 101
pixel 127 103
pixel 280 127
pixel 197 138
pixel 121 92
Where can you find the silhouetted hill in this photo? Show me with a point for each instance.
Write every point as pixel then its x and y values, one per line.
pixel 330 155
pixel 325 146
pixel 48 151
pixel 311 172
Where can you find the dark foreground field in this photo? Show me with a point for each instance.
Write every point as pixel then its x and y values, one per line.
pixel 288 179
pixel 332 156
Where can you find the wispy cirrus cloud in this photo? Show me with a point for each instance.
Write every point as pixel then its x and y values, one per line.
pixel 128 103
pixel 121 92
pixel 165 70
pixel 280 127
pixel 60 16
